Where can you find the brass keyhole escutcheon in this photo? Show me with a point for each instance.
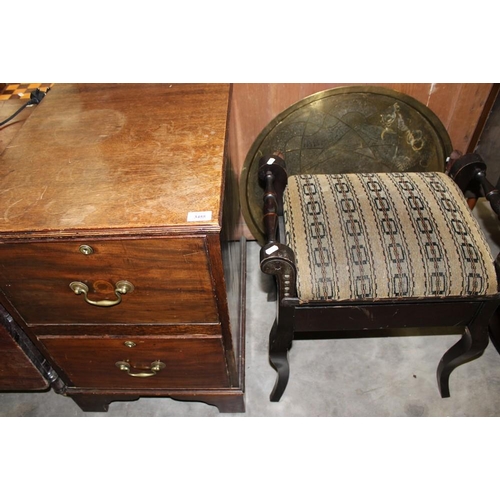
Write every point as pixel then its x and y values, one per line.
pixel 129 343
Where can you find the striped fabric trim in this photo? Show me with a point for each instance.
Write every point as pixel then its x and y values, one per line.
pixel 359 236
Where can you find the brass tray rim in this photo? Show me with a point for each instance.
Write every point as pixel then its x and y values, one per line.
pixel 424 110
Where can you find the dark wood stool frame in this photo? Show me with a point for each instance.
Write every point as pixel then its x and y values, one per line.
pixel 472 313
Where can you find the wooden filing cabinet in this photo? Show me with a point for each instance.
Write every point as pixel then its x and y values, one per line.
pixel 117 208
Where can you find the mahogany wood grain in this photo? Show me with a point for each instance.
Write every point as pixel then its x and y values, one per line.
pixel 90 363
pixel 17 371
pixel 171 279
pixel 217 266
pixel 119 168
pixel 9 131
pixel 227 401
pixel 126 330
pixel 103 157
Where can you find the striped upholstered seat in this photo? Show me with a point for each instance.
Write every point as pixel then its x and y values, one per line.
pixel 380 236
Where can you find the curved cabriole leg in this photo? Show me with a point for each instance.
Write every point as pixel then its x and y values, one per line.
pixel 279 361
pixel 278 357
pixel 472 345
pixel 280 342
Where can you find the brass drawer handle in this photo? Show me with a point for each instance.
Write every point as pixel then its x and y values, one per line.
pixel 121 288
pixel 156 366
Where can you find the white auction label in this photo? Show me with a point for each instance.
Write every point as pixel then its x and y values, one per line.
pixel 272 249
pixel 199 216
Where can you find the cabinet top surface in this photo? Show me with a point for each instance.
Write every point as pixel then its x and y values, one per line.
pixel 117 157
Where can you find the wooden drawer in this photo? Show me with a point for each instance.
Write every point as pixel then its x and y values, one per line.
pixel 91 362
pixel 171 278
pixel 17 371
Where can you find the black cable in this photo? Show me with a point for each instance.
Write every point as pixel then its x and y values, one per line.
pixel 36 97
pixel 15 114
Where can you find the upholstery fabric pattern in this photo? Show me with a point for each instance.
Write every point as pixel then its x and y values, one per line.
pixel 391 235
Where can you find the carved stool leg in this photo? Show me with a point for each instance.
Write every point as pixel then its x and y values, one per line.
pixel 472 345
pixel 280 342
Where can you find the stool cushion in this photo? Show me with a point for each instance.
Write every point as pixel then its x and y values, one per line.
pixel 380 236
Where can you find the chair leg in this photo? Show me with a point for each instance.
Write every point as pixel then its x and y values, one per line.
pixel 280 342
pixel 471 346
pixel 279 361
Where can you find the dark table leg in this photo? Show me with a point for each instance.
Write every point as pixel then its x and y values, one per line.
pixel 280 342
pixel 471 346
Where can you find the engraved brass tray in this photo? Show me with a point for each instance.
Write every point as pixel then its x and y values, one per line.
pixel 346 129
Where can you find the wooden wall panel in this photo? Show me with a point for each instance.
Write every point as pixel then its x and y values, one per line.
pixel 459 106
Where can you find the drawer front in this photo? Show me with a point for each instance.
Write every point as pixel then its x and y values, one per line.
pixel 17 371
pixel 170 277
pixel 186 363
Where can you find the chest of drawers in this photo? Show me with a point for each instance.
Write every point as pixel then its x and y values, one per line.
pixel 116 256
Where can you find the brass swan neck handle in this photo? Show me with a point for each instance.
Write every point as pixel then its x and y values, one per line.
pixel 156 366
pixel 121 288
